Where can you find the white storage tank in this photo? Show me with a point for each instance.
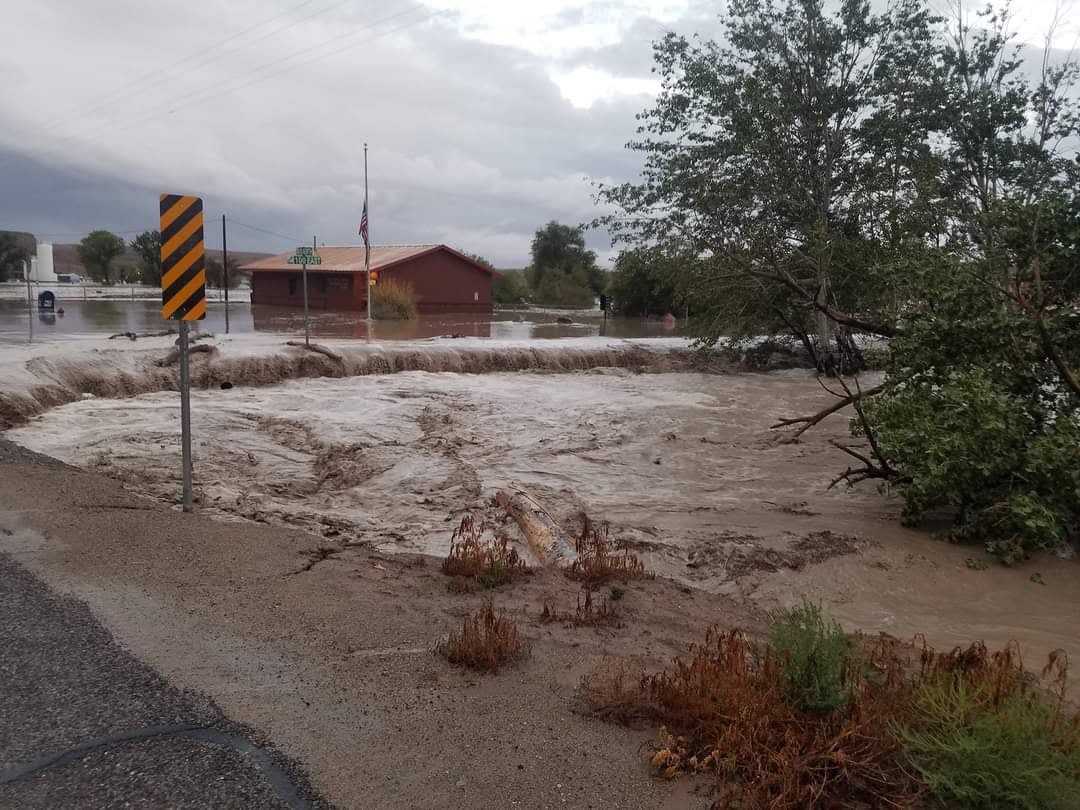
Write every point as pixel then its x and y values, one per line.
pixel 41 267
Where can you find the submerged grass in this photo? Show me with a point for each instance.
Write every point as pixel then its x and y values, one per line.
pixel 393 301
pixel 812 719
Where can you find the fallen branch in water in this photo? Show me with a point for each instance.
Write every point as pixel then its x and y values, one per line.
pixel 174 354
pixel 135 335
pixel 807 422
pixel 853 475
pixel 315 347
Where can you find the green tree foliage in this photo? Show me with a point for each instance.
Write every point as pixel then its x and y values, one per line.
pixel 512 289
pixel 563 271
pixel 787 157
pixel 981 412
pixel 902 176
pixel 645 282
pixel 215 273
pixel 97 251
pixel 12 257
pixel 148 245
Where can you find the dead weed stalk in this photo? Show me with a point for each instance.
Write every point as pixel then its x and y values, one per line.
pixel 587 614
pixel 485 642
pixel 599 560
pixel 477 560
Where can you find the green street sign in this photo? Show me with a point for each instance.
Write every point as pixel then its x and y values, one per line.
pixel 305 259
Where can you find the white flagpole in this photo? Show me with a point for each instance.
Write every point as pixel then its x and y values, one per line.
pixel 367 240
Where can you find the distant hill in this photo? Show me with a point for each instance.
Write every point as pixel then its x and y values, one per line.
pixel 66 257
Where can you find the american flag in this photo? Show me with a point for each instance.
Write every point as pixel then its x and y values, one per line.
pixel 363 227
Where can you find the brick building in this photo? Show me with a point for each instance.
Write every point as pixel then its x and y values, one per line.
pixel 443 279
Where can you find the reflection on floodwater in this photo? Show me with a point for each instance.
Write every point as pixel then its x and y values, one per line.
pixel 112 317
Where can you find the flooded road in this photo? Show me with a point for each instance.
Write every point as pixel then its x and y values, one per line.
pixel 682 465
pixel 91 317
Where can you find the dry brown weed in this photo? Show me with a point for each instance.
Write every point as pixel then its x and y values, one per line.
pixel 485 642
pixel 589 612
pixel 723 709
pixel 599 560
pixel 477 560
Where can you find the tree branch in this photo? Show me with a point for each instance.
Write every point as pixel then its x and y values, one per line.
pixel 833 314
pixel 808 422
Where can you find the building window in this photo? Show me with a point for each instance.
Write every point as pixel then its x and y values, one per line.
pixel 476 296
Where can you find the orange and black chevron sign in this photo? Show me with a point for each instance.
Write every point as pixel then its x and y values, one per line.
pixel 183 259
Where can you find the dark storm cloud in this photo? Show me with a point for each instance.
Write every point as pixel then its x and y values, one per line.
pixel 471 142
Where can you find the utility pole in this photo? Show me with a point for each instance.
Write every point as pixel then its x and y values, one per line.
pixel 367 244
pixel 29 301
pixel 307 328
pixel 225 270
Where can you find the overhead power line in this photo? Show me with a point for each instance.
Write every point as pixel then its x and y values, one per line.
pixel 113 95
pixel 292 239
pixel 214 90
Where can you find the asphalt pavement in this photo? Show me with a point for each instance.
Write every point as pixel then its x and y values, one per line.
pixel 84 724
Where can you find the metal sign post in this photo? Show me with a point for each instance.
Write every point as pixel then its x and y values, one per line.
pixel 185 414
pixel 183 298
pixel 303 257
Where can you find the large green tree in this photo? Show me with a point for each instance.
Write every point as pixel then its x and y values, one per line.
pixel 12 256
pixel 791 156
pixel 905 177
pixel 97 251
pixel 980 413
pixel 148 245
pixel 563 270
pixel 647 281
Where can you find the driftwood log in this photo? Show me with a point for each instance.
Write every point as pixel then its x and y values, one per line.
pixel 543 534
pixel 174 354
pixel 136 335
pixel 315 347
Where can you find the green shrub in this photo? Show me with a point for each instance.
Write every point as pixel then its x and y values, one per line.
pixel 815 655
pixel 1007 465
pixel 393 301
pixel 972 754
pixel 512 290
pixel 564 290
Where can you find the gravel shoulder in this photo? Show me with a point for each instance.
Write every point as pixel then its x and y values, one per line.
pixel 331 661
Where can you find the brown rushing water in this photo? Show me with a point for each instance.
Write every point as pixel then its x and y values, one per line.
pixel 682 465
pixel 91 317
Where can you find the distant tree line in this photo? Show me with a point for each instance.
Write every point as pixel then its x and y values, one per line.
pixel 12 257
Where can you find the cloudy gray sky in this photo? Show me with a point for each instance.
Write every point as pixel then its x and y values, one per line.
pixel 485 118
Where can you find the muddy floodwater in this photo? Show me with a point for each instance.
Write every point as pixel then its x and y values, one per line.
pixel 682 465
pixel 81 318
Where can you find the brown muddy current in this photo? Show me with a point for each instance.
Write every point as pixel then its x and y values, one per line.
pixel 684 466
